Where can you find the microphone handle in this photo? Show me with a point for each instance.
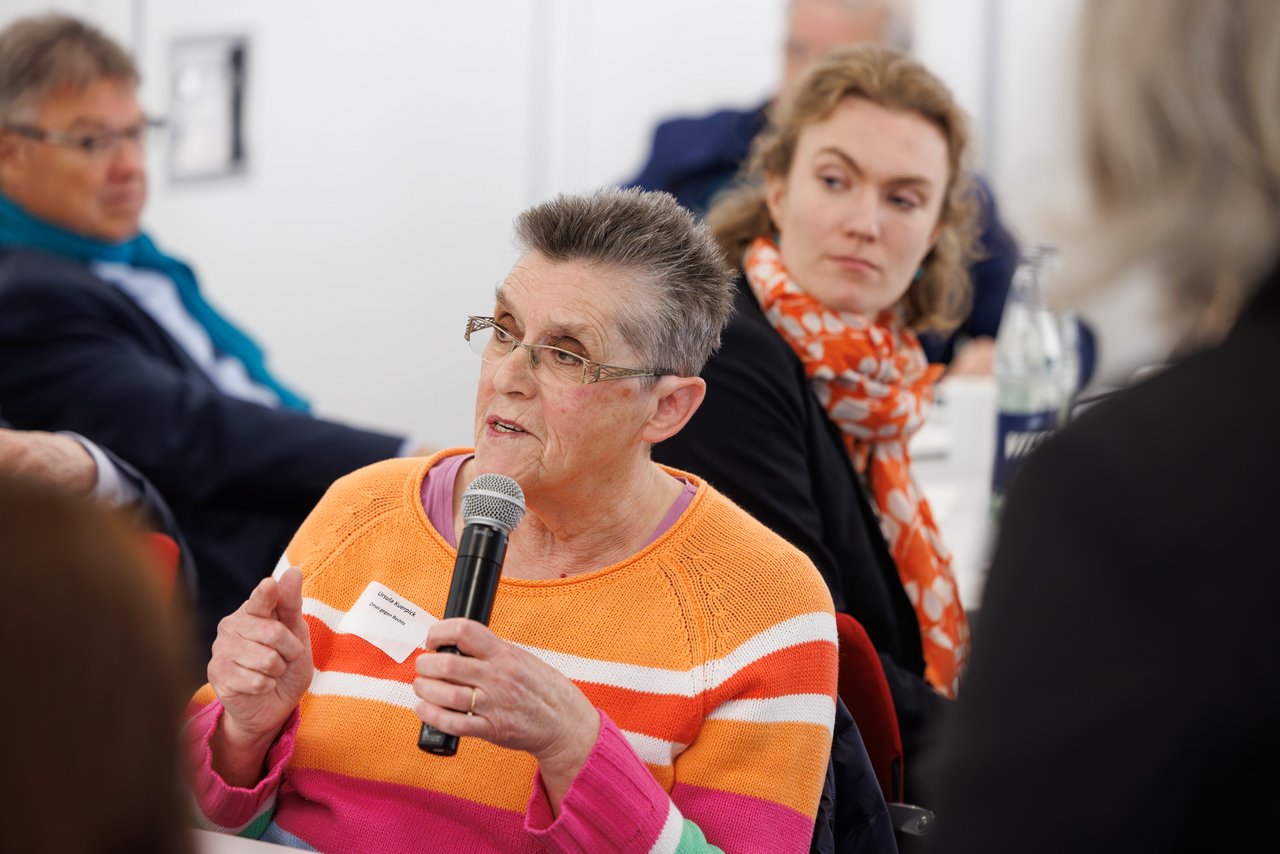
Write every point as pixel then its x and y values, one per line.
pixel 471 592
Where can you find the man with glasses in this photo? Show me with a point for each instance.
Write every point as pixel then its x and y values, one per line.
pixel 103 334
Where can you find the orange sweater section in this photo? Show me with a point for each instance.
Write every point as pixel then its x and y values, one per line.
pixel 713 649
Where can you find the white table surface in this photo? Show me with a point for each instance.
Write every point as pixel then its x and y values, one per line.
pixel 208 842
pixel 952 456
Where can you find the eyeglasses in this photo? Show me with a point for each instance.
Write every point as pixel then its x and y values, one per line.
pixel 493 344
pixel 94 144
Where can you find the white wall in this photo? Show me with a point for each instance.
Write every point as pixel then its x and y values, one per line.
pixel 1038 173
pixel 392 143
pixel 625 65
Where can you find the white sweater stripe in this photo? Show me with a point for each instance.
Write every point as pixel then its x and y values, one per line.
pixel 805 628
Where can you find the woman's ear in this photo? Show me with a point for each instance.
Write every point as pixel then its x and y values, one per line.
pixel 678 399
pixel 933 238
pixel 775 196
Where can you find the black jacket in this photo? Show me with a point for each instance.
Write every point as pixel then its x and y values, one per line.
pixel 852 816
pixel 762 438
pixel 77 354
pixel 1122 694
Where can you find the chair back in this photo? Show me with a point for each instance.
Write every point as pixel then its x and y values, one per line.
pixel 864 689
pixel 166 555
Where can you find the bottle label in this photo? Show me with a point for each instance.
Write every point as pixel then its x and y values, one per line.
pixel 1016 436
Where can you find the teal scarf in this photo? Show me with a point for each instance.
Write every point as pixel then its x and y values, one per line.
pixel 18 228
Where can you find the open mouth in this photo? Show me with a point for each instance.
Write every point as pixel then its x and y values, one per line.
pixel 505 426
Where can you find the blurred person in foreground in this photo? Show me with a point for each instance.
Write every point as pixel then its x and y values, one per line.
pixel 696 158
pixel 853 232
pixel 93 664
pixel 660 669
pixel 1123 689
pixel 104 334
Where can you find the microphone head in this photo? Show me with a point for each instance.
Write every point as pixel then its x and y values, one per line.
pixel 495 499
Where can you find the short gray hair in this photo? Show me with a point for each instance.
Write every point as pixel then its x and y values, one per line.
pixel 898 19
pixel 42 54
pixel 687 286
pixel 1182 146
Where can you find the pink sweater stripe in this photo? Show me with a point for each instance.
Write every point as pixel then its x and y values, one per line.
pixel 613 792
pixel 719 818
pixel 390 815
pixel 226 808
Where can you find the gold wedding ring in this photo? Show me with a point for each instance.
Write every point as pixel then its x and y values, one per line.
pixel 471 711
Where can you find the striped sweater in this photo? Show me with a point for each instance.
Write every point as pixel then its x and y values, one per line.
pixel 710 655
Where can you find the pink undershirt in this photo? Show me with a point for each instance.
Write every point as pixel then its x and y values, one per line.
pixel 437 499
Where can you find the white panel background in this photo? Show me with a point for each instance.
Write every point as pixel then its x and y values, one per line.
pixel 392 142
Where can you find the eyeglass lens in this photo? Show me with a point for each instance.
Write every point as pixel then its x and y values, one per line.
pixel 555 364
pixel 112 140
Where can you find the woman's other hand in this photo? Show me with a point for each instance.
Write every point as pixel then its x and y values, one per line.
pixel 521 702
pixel 260 668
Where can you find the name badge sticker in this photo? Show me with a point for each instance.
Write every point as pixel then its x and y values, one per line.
pixel 388 621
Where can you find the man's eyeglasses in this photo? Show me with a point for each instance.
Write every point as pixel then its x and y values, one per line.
pixel 493 344
pixel 95 144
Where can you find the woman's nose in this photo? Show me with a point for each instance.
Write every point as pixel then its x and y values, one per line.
pixel 862 218
pixel 514 372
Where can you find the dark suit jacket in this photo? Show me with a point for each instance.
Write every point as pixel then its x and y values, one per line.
pixel 1122 694
pixel 155 514
pixel 762 438
pixel 77 354
pixel 693 159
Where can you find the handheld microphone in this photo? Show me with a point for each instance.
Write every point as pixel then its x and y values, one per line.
pixel 491 507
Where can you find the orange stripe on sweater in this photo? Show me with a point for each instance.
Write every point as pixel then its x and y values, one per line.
pixel 783 673
pixel 720 764
pixel 792 670
pixel 786 671
pixel 353 654
pixel 655 635
pixel 373 741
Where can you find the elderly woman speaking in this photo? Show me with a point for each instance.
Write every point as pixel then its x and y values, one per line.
pixel 660 669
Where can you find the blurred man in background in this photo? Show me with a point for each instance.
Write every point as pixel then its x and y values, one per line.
pixel 103 334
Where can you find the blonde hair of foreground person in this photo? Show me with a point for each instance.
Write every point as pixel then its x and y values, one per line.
pixel 92 669
pixel 1182 150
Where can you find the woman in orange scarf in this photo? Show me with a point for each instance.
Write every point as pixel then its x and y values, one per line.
pixel 853 232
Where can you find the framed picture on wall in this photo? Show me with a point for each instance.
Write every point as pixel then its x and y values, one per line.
pixel 209 78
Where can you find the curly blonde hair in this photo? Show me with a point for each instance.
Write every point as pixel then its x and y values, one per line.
pixel 939 298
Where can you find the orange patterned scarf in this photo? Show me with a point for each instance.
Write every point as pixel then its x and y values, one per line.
pixel 874 382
